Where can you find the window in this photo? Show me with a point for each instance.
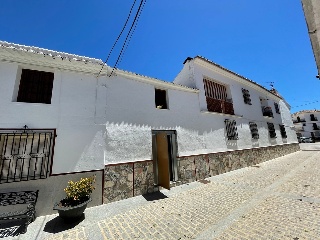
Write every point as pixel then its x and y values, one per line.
pixel 216 97
pixel 231 129
pixel 272 131
pixel 254 130
pixel 215 90
pixel 283 131
pixel 276 106
pixel 246 96
pixel 161 99
pixel 35 86
pixel 25 155
pixel 313 118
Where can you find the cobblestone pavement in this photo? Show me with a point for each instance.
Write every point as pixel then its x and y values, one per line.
pixel 277 199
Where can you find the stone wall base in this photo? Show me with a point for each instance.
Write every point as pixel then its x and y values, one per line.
pixel 132 179
pixel 126 180
pixel 194 168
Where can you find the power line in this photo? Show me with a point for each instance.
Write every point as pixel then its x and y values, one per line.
pixel 134 29
pixel 124 26
pixel 305 104
pixel 128 35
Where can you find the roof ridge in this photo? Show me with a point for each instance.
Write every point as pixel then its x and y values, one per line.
pixel 52 53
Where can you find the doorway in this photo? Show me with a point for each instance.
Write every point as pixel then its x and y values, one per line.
pixel 164 151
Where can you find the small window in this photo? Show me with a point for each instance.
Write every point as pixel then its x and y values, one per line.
pixel 161 99
pixel 276 106
pixel 283 131
pixel 246 96
pixel 272 131
pixel 35 86
pixel 254 130
pixel 231 129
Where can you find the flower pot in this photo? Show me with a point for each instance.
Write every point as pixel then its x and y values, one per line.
pixel 73 212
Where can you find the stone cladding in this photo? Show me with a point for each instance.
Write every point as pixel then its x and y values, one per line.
pixel 133 179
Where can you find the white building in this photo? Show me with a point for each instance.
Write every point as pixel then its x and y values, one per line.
pixel 307 123
pixel 135 133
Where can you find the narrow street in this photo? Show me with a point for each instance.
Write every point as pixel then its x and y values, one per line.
pixel 277 199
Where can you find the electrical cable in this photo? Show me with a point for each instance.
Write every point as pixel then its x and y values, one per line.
pixel 127 37
pixel 124 26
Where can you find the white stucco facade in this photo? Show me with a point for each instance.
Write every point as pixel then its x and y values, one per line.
pixel 110 119
pixel 102 122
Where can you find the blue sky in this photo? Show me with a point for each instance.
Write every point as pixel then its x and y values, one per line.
pixel 265 41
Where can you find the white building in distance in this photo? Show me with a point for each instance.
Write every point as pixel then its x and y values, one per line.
pixel 60 122
pixel 307 123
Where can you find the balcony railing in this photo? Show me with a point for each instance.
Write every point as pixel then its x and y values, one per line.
pixel 316 127
pixel 313 119
pixel 220 106
pixel 267 111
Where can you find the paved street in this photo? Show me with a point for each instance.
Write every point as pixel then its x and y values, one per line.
pixel 277 199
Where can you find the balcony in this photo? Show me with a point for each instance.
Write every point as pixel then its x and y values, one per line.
pixel 267 111
pixel 220 106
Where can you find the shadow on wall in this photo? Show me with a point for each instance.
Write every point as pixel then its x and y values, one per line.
pixel 255 142
pixel 232 144
pixel 273 141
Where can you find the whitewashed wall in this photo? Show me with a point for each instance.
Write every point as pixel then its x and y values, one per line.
pixel 110 120
pixel 74 111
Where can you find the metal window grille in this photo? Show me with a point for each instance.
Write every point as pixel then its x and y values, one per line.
pixel 25 154
pixel 276 106
pixel 215 90
pixel 272 131
pixel 246 96
pixel 283 131
pixel 35 86
pixel 254 130
pixel 231 129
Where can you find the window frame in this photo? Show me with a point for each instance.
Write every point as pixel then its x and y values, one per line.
pixel 254 130
pixel 231 129
pixel 158 104
pixel 283 131
pixel 35 86
pixel 272 130
pixel 246 96
pixel 276 107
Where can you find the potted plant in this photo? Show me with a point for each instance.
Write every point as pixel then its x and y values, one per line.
pixel 78 196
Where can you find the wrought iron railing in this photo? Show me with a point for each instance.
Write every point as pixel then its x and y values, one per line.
pixel 220 106
pixel 25 154
pixel 267 111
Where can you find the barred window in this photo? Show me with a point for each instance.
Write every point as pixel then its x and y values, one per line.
pixel 35 86
pixel 254 130
pixel 276 106
pixel 272 131
pixel 283 131
pixel 231 129
pixel 25 155
pixel 246 96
